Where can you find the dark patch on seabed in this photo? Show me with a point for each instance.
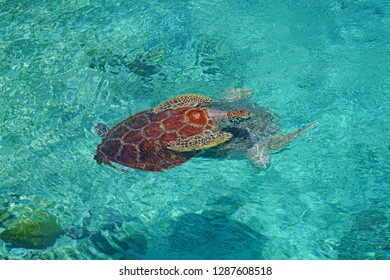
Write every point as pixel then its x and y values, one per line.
pixel 213 234
pixel 369 237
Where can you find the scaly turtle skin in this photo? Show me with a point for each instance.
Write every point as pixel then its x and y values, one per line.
pixel 257 138
pixel 166 136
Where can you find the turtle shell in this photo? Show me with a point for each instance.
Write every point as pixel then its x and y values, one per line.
pixel 141 141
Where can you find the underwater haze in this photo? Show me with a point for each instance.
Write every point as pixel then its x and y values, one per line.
pixel 66 65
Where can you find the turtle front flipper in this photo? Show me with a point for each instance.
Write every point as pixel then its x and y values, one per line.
pixel 185 100
pixel 200 141
pixel 278 141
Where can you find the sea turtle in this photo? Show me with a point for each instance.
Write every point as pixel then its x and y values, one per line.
pixel 257 138
pixel 168 135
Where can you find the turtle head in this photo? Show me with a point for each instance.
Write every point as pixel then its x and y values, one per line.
pixel 238 116
pixel 100 157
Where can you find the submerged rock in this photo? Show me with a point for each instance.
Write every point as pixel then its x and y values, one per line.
pixel 29 227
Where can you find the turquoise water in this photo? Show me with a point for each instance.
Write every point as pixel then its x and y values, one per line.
pixel 66 65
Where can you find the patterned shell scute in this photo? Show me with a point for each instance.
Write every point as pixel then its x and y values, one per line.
pixel 141 141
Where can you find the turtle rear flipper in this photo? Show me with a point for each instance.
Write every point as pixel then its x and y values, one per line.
pixel 200 141
pixel 101 129
pixel 260 155
pixel 278 141
pixel 185 100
